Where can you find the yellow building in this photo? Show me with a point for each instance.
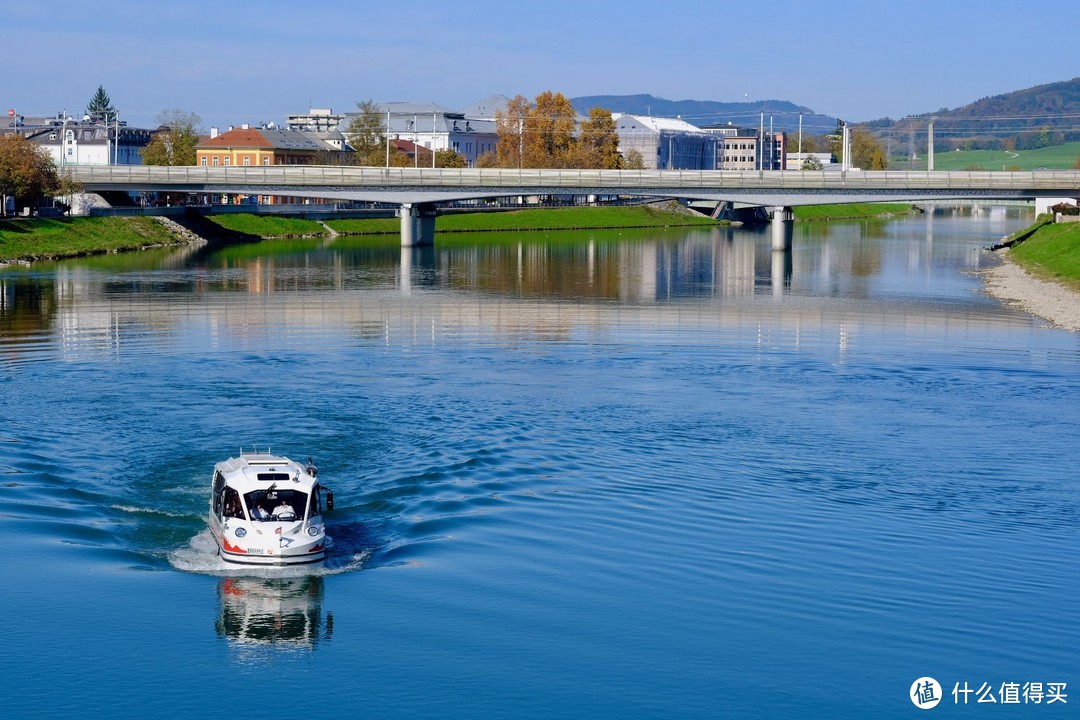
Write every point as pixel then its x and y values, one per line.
pixel 253 147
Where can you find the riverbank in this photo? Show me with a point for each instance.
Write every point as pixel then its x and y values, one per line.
pixel 30 239
pixel 666 214
pixel 1041 274
pixel 853 211
pixel 33 239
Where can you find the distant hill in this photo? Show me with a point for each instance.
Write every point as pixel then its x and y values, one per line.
pixel 783 115
pixel 1037 117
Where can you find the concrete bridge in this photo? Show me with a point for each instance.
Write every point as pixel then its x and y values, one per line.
pixel 418 191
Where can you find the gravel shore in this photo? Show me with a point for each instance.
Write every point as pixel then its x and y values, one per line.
pixel 1009 283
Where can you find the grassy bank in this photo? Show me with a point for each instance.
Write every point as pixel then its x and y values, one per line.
pixel 36 239
pixel 1052 252
pixel 578 218
pixel 852 211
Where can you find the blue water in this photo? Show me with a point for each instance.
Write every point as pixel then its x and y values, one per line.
pixel 648 474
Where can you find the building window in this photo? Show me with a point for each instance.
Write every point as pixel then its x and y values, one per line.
pixel 266 160
pixel 247 160
pixel 227 161
pixel 204 161
pixel 215 161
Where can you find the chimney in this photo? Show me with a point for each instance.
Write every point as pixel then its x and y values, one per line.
pixel 213 133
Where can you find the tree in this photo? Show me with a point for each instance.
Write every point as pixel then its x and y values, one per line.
pixel 101 106
pixel 367 134
pixel 175 141
pixel 549 132
pixel 633 160
pixel 866 150
pixel 597 144
pixel 510 128
pixel 27 173
pixel 450 159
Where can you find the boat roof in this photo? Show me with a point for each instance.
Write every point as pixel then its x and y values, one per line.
pixel 258 471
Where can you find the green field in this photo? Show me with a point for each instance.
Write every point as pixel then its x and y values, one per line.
pixel 1059 157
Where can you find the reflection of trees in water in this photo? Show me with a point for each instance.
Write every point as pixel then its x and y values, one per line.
pixel 271 611
pixel 27 306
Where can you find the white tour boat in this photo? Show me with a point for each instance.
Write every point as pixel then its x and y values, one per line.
pixel 267 510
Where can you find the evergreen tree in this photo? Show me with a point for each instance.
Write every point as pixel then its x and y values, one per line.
pixel 101 106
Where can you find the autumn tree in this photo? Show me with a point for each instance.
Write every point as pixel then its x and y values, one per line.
pixel 510 128
pixel 101 106
pixel 866 150
pixel 597 143
pixel 28 173
pixel 175 141
pixel 633 160
pixel 549 132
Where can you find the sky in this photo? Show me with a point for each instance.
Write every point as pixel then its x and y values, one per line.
pixel 252 62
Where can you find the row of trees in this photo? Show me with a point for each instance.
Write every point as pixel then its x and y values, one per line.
pixel 540 134
pixel 544 134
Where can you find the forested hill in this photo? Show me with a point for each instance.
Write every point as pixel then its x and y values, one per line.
pixel 780 114
pixel 1039 116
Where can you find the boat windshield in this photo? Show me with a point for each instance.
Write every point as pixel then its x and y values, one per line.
pixel 276 505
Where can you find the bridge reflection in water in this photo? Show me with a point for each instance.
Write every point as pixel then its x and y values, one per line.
pixel 339 291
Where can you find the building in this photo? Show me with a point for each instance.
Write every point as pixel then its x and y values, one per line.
pixel 247 146
pixel 317 120
pixel 750 148
pixel 265 146
pixel 666 143
pixel 436 128
pixel 796 161
pixel 86 141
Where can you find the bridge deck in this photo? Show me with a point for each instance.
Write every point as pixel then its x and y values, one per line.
pixel 412 185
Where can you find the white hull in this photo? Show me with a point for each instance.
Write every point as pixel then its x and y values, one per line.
pixel 266 511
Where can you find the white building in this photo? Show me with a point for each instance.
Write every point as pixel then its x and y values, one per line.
pixel 436 128
pixel 318 120
pixel 666 143
pixel 86 141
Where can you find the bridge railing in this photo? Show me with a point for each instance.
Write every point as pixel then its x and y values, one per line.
pixel 347 176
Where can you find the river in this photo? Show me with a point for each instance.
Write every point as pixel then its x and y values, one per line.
pixel 625 474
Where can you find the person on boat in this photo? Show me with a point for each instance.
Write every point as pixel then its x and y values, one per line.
pixel 259 513
pixel 284 508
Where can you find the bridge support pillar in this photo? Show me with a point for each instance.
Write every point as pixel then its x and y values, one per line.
pixel 781 228
pixel 417 224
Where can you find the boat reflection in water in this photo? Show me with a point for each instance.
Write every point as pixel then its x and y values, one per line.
pixel 284 612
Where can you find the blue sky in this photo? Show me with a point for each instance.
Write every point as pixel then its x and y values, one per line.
pixel 233 62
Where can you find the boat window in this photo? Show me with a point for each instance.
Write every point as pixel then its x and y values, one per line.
pixel 274 477
pixel 219 485
pixel 232 503
pixel 276 505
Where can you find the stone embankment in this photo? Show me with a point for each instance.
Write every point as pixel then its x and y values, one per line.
pixel 180 231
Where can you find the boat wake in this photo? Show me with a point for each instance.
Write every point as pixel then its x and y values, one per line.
pixel 201 557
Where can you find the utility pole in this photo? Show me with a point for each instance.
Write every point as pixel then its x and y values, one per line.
pixel 930 144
